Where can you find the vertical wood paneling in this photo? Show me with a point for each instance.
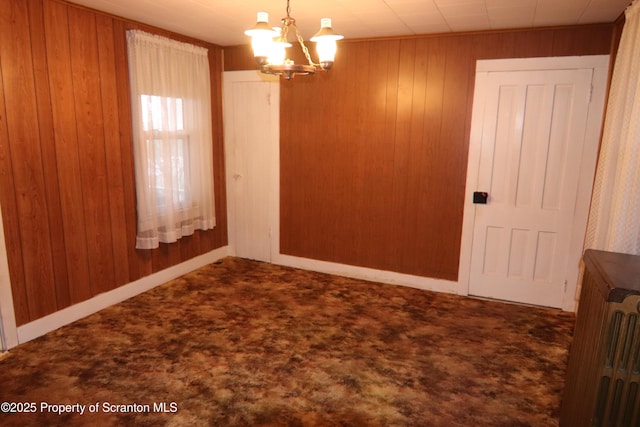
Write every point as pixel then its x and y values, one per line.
pixel 403 176
pixel 448 194
pixel 390 85
pixel 347 156
pixel 47 143
pixel 7 193
pixel 113 157
pixel 190 246
pixel 139 261
pixel 219 236
pixel 374 153
pixel 239 58
pixel 67 155
pixel 67 184
pixel 587 40
pixel 380 119
pixel 29 188
pixel 165 255
pixel 91 147
pixel 413 217
pixel 429 189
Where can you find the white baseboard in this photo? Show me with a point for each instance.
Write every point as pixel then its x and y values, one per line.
pixel 67 315
pixel 380 276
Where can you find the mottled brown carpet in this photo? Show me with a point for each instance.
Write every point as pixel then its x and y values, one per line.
pixel 242 343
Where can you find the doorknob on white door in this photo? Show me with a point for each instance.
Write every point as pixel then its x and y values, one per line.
pixel 480 197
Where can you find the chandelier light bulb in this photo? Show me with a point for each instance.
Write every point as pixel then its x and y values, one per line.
pixel 279 44
pixel 326 46
pixel 326 51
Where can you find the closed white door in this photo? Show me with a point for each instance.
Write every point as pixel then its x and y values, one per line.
pixel 251 123
pixel 530 167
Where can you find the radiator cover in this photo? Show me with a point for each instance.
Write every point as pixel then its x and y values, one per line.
pixel 603 378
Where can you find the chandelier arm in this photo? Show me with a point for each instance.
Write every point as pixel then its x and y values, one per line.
pixel 304 48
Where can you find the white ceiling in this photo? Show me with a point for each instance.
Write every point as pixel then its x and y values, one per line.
pixel 223 22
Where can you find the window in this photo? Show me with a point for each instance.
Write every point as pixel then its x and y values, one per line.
pixel 174 149
pixel 171 107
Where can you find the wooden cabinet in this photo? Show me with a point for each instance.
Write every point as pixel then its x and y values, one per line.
pixel 603 377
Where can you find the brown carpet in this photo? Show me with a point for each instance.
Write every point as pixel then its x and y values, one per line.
pixel 242 343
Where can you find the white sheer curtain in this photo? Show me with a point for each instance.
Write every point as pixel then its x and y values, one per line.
pixel 614 221
pixel 172 138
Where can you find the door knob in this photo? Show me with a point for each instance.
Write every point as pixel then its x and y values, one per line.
pixel 480 197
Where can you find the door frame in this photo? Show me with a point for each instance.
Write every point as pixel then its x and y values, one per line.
pixel 600 66
pixel 8 327
pixel 273 162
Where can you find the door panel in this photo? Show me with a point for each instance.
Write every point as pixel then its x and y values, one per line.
pixel 532 142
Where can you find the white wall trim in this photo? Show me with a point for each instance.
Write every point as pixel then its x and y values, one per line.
pixel 600 66
pixel 363 273
pixel 75 312
pixel 274 170
pixel 595 122
pixel 547 63
pixel 8 329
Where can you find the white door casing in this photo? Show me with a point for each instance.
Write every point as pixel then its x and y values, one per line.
pixel 8 328
pixel 534 139
pixel 251 124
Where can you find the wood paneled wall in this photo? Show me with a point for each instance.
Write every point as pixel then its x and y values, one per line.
pixel 374 153
pixel 67 186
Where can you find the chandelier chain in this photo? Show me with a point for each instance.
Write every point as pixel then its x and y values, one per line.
pixel 305 50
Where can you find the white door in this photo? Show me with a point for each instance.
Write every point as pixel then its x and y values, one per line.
pixel 251 120
pixel 533 162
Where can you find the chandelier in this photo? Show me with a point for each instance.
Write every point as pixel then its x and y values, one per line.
pixel 270 43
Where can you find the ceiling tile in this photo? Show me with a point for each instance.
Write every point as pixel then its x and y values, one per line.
pixel 223 21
